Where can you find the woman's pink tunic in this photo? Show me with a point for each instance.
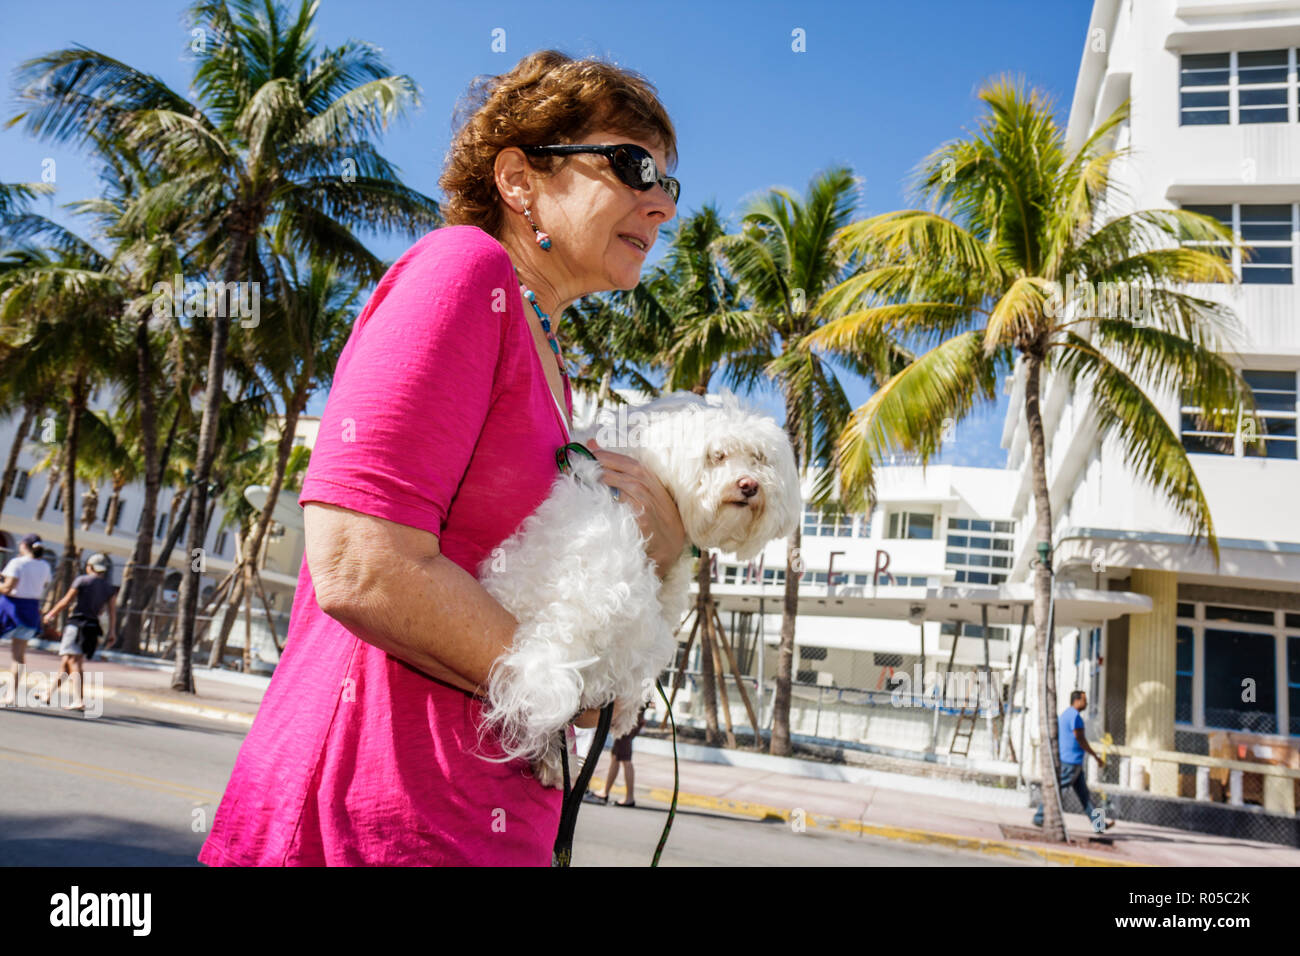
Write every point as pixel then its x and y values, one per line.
pixel 440 418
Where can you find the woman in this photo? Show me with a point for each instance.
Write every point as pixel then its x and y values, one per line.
pixel 22 585
pixel 439 437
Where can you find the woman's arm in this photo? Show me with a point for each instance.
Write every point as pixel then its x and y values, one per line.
pixel 391 585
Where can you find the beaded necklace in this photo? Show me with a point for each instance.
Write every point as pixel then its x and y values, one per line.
pixel 546 324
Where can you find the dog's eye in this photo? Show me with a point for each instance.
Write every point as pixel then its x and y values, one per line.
pixel 717 456
pixel 760 458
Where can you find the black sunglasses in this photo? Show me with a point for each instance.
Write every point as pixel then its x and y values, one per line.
pixel 633 164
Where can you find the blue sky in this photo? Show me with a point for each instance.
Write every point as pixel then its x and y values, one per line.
pixel 879 85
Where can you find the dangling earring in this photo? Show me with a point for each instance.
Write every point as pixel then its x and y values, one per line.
pixel 542 238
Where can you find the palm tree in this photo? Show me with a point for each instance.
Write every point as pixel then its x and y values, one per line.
pixel 783 260
pixel 977 278
pixel 311 311
pixel 59 312
pixel 280 132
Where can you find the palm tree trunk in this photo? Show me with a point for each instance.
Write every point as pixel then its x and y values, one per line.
pixel 708 675
pixel 781 745
pixel 11 466
pixel 56 475
pixel 67 567
pixel 218 649
pixel 89 507
pixel 188 602
pixel 1053 825
pixel 114 507
pixel 144 578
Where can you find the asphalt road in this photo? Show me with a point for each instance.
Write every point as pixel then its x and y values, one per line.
pixel 138 787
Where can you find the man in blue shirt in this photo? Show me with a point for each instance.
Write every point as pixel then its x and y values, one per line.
pixel 1072 746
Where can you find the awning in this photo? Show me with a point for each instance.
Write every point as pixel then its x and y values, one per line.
pixel 1075 606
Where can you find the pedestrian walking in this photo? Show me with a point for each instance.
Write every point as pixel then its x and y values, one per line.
pixel 1073 744
pixel 22 585
pixel 621 756
pixel 92 592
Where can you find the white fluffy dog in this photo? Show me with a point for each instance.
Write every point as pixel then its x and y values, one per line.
pixel 595 622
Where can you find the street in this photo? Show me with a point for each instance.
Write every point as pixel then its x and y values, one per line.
pixel 137 787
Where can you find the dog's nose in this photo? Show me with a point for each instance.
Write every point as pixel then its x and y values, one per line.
pixel 748 486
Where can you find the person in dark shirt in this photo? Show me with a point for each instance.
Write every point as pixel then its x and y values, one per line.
pixel 621 756
pixel 92 592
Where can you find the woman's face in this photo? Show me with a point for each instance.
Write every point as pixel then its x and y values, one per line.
pixel 592 217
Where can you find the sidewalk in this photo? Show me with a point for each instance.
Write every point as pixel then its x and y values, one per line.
pixel 819 796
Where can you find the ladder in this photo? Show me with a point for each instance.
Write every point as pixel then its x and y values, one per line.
pixel 970 714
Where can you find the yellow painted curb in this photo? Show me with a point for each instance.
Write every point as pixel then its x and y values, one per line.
pixel 954 841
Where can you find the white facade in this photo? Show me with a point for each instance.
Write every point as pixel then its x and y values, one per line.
pixel 1214 123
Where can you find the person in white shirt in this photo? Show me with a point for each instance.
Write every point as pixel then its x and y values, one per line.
pixel 22 585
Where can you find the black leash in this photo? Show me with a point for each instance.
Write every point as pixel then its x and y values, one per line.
pixel 562 852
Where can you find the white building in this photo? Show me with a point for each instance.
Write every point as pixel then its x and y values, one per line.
pixel 1215 127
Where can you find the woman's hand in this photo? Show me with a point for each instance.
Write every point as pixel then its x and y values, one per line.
pixel 656 512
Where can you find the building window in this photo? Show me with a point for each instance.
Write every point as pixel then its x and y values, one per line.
pixel 1203 89
pixel 1185 671
pixel 1293 681
pixel 1226 669
pixel 979 550
pixel 1267 231
pixel 108 503
pixel 1262 86
pixel 812 653
pixel 220 547
pixel 911 524
pixel 827 525
pixel 1271 434
pixel 20 485
pixel 1208 95
pixel 1242 666
pixel 162 526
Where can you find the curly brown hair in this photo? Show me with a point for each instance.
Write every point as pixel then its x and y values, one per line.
pixel 547 98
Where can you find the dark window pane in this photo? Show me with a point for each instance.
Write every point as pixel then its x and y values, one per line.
pixel 1261 66
pixel 1272 96
pixel 1189 101
pixel 1268 256
pixel 1005 527
pixel 1238 665
pixel 1278 381
pixel 981 525
pixel 1295 711
pixel 1204 117
pixel 1002 544
pixel 1200 69
pixel 961 577
pixel 1183 699
pixel 1205 445
pixel 956 541
pixel 1223 213
pixel 978 577
pixel 980 543
pixel 1241 615
pixel 979 561
pixel 920 526
pixel 960 524
pixel 1184 656
pixel 1186 610
pixel 1293 620
pixel 1292 654
pixel 1001 561
pixel 955 557
pixel 1267 275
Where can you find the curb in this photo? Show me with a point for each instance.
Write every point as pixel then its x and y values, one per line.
pixel 758 811
pixel 178 707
